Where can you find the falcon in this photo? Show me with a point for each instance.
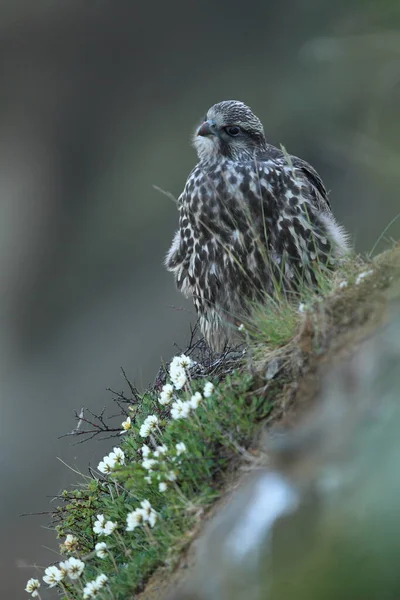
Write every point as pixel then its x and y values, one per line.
pixel 254 222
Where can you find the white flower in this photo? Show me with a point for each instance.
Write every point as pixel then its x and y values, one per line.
pixel 148 425
pixel 101 527
pixel 175 367
pixel 63 566
pixel 180 409
pixel 302 307
pixel 110 527
pixel 74 567
pixel 134 519
pixel 148 463
pixel 152 518
pixel 148 512
pixel 101 549
pixel 91 589
pixel 162 486
pixel 177 370
pixel 118 456
pixel 146 509
pixel 160 451
pixel 70 543
pixel 146 506
pixel 145 450
pixel 98 526
pixel 178 377
pixel 166 394
pixel 182 361
pixel 343 284
pixel 32 586
pixel 171 476
pixel 106 465
pixel 101 580
pixel 180 448
pixel 363 275
pixel 147 479
pixel 208 389
pixel 195 400
pixel 180 380
pixel 185 361
pixel 241 327
pixel 126 425
pixel 53 576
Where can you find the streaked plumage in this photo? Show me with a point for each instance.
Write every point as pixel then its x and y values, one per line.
pixel 251 219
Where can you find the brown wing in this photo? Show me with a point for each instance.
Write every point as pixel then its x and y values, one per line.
pixel 320 193
pixel 315 180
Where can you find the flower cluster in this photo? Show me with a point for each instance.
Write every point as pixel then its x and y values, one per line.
pixel 178 370
pixel 144 514
pixel 180 409
pixel 103 527
pixel 167 394
pixel 160 466
pixel 92 588
pixel 112 460
pixel 149 424
pixel 73 567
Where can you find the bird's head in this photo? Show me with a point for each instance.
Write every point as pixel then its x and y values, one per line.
pixel 230 130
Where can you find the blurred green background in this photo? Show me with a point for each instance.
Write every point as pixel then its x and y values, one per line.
pixel 98 101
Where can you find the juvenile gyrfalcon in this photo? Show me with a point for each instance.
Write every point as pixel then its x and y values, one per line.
pixel 252 220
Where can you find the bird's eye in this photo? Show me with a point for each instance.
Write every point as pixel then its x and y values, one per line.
pixel 233 131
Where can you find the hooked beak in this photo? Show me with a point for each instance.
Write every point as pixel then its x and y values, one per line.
pixel 207 128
